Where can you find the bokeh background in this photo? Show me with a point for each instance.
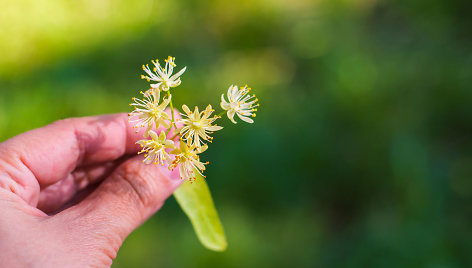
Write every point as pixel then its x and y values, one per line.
pixel 361 155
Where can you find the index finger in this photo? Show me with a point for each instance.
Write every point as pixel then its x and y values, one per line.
pixel 43 156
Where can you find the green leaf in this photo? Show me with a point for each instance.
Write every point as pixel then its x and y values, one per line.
pixel 195 200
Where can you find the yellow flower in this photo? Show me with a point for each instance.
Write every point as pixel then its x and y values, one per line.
pixel 163 76
pixel 240 103
pixel 154 148
pixel 197 125
pixel 186 157
pixel 148 112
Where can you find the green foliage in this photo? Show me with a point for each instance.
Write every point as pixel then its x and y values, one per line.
pixel 195 200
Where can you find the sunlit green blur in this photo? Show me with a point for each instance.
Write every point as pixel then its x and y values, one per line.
pixel 361 154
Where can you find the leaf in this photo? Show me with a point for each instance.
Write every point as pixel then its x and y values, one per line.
pixel 195 200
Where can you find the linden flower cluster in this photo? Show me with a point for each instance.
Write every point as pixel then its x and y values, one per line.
pixel 195 127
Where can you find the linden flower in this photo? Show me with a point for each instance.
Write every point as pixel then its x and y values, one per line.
pixel 240 103
pixel 148 111
pixel 188 161
pixel 197 126
pixel 163 76
pixel 154 148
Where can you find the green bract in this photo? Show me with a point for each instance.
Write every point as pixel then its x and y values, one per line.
pixel 195 200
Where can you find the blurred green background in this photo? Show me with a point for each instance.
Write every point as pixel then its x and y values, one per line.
pixel 361 154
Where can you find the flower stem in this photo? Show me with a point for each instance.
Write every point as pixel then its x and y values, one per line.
pixel 222 113
pixel 173 137
pixel 171 110
pixel 173 120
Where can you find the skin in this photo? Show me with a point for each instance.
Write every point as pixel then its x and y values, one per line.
pixel 72 191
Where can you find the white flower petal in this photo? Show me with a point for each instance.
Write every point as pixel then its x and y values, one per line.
pixel 169 144
pixel 156 85
pixel 214 128
pixel 230 115
pixel 178 74
pixel 186 109
pixel 246 119
pixel 153 135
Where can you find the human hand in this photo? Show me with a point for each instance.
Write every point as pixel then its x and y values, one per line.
pixel 91 163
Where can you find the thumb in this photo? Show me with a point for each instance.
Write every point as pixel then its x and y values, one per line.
pixel 132 193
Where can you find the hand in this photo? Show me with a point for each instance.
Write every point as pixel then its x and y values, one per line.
pixel 85 173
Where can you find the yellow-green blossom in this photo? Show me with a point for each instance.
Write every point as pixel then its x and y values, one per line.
pixel 197 125
pixel 154 148
pixel 163 76
pixel 186 157
pixel 240 103
pixel 148 112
